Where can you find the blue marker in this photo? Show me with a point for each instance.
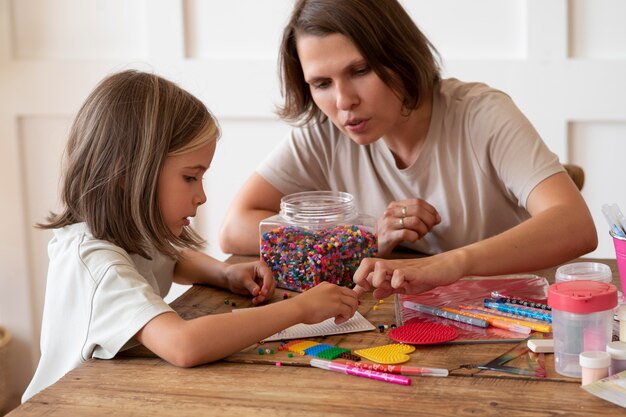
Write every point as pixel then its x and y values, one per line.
pixel 519 310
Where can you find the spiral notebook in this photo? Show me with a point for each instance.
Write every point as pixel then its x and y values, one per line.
pixel 357 323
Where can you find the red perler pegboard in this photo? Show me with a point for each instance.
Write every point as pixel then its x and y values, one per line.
pixel 416 332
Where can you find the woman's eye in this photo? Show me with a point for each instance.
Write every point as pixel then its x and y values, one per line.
pixel 321 85
pixel 362 71
pixel 190 179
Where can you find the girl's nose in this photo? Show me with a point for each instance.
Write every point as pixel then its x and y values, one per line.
pixel 200 198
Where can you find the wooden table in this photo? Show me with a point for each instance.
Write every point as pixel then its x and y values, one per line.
pixel 249 384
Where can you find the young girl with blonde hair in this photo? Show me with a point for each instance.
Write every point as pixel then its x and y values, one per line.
pixel 136 155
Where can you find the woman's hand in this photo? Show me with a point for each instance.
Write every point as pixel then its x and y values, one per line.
pixel 407 276
pixel 405 221
pixel 253 278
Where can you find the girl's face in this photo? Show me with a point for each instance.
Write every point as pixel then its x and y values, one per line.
pixel 180 186
pixel 346 89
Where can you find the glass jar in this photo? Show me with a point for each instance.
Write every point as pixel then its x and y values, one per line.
pixel 317 236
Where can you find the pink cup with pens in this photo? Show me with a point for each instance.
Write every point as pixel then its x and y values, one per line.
pixel 620 256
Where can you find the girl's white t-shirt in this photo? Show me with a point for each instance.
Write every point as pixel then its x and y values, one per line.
pixel 97 298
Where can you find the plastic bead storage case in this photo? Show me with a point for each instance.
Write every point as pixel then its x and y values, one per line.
pixel 317 236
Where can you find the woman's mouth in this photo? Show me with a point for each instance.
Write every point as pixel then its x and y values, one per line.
pixel 356 125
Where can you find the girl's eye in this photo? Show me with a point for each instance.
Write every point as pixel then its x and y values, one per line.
pixel 190 179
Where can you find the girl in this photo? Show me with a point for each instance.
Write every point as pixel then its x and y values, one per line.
pixel 135 159
pixel 451 169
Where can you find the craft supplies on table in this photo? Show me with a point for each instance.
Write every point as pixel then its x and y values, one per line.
pixel 317 236
pixel 617 350
pixel 536 366
pixel 365 373
pixel 472 291
pixel 594 366
pixel 582 314
pixel 415 332
pixel 398 369
pixel 356 323
pixel 612 388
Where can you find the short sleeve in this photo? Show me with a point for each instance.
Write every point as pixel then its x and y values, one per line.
pixel 123 302
pixel 301 162
pixel 506 143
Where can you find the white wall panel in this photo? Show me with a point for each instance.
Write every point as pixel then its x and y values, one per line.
pixel 477 29
pixel 234 29
pixel 230 168
pixel 41 141
pixel 600 147
pixel 78 29
pixel 598 30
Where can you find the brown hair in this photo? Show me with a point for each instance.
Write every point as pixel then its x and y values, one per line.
pixel 383 33
pixel 117 145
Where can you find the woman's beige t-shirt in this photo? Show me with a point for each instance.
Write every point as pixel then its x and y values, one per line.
pixel 480 160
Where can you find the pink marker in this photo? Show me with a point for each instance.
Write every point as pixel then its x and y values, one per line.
pixel 351 370
pixel 397 369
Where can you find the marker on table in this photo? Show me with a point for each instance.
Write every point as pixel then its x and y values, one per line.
pixel 496 321
pixel 519 310
pixel 366 373
pixel 397 369
pixel 447 314
pixel 544 328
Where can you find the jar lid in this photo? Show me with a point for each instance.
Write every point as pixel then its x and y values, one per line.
pixel 617 350
pixel 593 271
pixel 582 296
pixel 594 359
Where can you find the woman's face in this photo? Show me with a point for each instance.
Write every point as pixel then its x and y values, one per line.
pixel 346 89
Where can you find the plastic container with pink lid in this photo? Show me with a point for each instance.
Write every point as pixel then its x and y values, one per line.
pixel 582 316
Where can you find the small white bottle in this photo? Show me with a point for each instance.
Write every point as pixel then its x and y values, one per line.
pixel 594 365
pixel 617 350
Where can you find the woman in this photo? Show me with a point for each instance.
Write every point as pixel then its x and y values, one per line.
pixel 451 169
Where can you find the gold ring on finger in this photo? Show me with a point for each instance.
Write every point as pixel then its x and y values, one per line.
pixel 401 221
pixel 403 211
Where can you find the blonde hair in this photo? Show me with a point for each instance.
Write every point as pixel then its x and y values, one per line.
pixel 118 142
pixel 381 30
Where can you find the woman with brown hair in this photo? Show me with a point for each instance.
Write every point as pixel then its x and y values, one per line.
pixel 451 169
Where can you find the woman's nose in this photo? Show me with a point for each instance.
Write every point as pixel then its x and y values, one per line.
pixel 346 97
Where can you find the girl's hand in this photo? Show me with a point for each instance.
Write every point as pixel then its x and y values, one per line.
pixel 251 278
pixel 405 221
pixel 325 301
pixel 407 276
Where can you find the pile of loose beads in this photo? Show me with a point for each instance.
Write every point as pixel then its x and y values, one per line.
pixel 301 258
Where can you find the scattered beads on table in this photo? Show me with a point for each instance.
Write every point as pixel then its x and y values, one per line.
pixel 301 258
